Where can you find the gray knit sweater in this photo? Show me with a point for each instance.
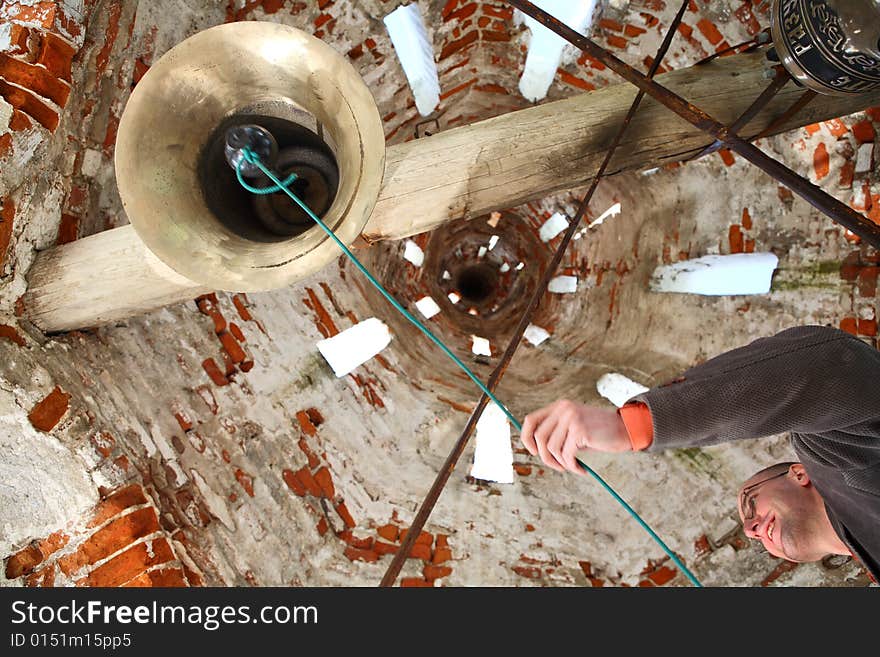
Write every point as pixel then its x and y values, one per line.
pixel 819 383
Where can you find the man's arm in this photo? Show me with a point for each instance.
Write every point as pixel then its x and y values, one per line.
pixel 808 379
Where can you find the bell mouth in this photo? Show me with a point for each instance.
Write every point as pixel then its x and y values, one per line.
pixel 267 218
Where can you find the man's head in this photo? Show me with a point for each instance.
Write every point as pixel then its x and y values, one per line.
pixel 780 507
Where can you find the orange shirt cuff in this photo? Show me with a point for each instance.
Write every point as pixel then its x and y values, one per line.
pixel 639 425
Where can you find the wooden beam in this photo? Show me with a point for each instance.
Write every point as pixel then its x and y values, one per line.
pixel 457 174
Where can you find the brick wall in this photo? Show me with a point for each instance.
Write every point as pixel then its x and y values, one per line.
pixel 121 544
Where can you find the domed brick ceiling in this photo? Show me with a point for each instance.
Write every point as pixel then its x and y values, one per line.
pixel 209 443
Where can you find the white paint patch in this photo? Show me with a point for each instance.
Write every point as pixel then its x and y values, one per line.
pixel 865 158
pixel 473 311
pixel 482 251
pixel 493 241
pixel 5 108
pixel 563 284
pixel 493 454
pixel 43 485
pixel 91 163
pixel 416 54
pixel 413 252
pixel 480 346
pixel 354 346
pixel 428 307
pixel 545 47
pixel 454 297
pixel 613 211
pixel 216 503
pixel 617 388
pixel 715 275
pixel 520 266
pixel 553 226
pixel 535 334
pixel 504 268
pixel 446 275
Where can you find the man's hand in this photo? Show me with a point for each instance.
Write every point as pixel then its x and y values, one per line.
pixel 556 432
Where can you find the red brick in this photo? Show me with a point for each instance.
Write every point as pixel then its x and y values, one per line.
pixel 308 482
pixel 849 325
pixel 355 554
pixel 867 327
pixel 7 214
pixel 23 562
pixel 575 81
pixel 847 173
pixel 68 229
pixel 420 551
pixel 455 46
pixel 415 582
pixel 836 127
pixel 236 332
pixel 784 567
pixel 633 31
pixel 355 542
pixel 11 334
pixel 709 31
pixel 293 483
pixel 864 132
pixel 662 575
pixel 245 480
pixel 424 538
pixel 727 156
pixel 116 503
pixel 611 24
pixel 243 312
pixel 616 41
pixel 821 161
pixel 231 346
pixel 746 219
pixel 305 423
pixel 388 532
pixel 48 413
pixel 448 9
pixel 163 577
pixel 529 572
pixel 735 236
pixel 384 548
pixel 504 13
pixel 112 537
pixel 214 372
pixel 325 481
pixel 436 572
pixel 129 564
pixel 342 510
pixel 304 447
pixel 463 12
pixel 322 526
pixel 34 78
pixel 441 555
pixel 867 281
pixel 56 55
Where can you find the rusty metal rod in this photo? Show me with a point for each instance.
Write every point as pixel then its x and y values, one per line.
pixel 796 107
pixel 458 449
pixel 815 196
pixel 779 80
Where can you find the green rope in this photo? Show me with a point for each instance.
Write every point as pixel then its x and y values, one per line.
pixel 253 158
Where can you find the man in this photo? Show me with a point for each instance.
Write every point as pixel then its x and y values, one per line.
pixel 821 384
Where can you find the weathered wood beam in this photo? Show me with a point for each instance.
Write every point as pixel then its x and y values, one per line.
pixel 457 174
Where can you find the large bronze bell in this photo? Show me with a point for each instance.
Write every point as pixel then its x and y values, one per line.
pixel 181 195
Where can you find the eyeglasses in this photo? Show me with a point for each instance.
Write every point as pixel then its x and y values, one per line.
pixel 747 502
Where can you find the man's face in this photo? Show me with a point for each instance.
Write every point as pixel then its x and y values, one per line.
pixel 780 510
